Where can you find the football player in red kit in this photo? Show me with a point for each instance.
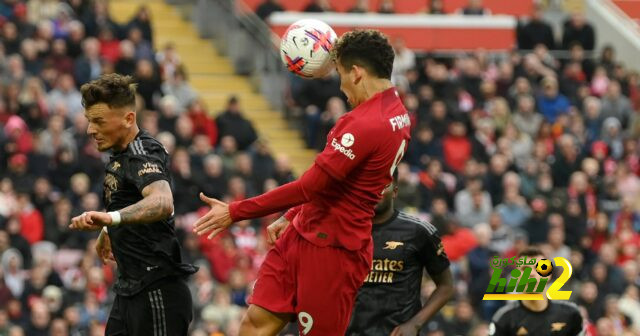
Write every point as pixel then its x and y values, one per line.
pixel 317 265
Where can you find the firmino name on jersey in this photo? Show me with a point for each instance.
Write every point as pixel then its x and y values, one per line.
pixel 347 152
pixel 400 122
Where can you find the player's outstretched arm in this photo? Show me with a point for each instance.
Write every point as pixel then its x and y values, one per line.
pixel 442 294
pixel 156 205
pixel 289 195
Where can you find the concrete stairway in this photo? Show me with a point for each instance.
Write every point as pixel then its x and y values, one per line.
pixel 213 77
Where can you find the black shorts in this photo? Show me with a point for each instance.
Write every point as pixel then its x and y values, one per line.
pixel 162 309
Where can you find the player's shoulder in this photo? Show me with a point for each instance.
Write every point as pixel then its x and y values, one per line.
pixel 404 218
pixel 505 311
pixel 146 145
pixel 566 306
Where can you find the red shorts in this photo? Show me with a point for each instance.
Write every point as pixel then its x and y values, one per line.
pixel 318 284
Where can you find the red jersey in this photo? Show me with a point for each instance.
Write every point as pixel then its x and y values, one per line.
pixel 362 152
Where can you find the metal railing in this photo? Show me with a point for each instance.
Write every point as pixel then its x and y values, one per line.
pixel 247 41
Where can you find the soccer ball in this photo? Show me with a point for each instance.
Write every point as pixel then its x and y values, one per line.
pixel 544 267
pixel 305 48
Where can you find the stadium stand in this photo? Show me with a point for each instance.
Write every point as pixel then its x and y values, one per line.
pixel 509 148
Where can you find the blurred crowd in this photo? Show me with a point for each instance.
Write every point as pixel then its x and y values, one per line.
pixel 514 149
pixel 51 282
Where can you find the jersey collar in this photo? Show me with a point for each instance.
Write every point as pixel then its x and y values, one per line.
pixel 536 312
pixel 141 132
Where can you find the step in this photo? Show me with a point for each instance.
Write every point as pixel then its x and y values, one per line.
pixel 212 75
pixel 211 82
pixel 208 69
pixel 220 102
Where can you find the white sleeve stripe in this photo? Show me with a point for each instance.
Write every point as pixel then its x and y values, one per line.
pixel 140 148
pixel 133 148
pixel 428 226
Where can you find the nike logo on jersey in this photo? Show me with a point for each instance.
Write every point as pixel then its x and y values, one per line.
pixel 557 326
pixel 392 245
pixel 151 268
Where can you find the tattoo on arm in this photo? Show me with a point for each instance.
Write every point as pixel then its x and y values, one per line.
pixel 156 205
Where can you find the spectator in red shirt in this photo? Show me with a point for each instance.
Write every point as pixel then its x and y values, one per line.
pixel 109 46
pixel 456 146
pixel 202 122
pixel 31 222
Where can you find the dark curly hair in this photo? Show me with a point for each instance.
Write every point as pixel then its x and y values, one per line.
pixel 369 49
pixel 112 89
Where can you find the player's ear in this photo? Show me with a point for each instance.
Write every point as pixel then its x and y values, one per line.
pixel 130 118
pixel 356 74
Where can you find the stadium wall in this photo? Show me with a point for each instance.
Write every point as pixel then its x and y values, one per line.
pixel 617 29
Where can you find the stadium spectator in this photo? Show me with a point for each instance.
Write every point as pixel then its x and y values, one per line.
pixel 126 63
pixel 142 21
pixel 361 6
pixel 616 105
pixel 577 30
pixel 386 7
pixel 436 7
pixel 143 48
pixel 89 66
pixel 474 7
pixel 66 93
pixel 535 31
pixel 267 8
pixel 232 123
pixel 177 85
pixel 552 103
pixel 318 6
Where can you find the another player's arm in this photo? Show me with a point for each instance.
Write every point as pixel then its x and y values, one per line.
pixel 435 261
pixel 103 247
pixel 277 228
pixel 156 205
pixel 440 297
pixel 577 324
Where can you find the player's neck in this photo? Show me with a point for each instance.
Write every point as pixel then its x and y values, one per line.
pixel 133 132
pixel 384 217
pixel 371 87
pixel 536 305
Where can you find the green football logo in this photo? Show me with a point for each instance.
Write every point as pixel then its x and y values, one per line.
pixel 544 267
